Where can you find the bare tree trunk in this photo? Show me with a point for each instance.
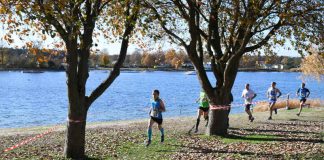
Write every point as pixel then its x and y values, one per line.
pixel 77 113
pixel 75 139
pixel 76 123
pixel 218 122
pixel 218 118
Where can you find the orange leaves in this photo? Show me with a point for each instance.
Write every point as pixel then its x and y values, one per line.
pixel 8 38
pixel 45 50
pixel 3 10
pixel 43 37
pixel 19 7
pixel 25 31
pixel 29 44
pixel 27 20
pixel 33 51
pixel 42 59
pixel 312 65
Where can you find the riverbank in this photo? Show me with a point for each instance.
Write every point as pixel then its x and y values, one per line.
pixel 285 137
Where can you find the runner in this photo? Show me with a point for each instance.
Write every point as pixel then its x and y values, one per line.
pixel 302 93
pixel 157 107
pixel 272 95
pixel 248 95
pixel 203 108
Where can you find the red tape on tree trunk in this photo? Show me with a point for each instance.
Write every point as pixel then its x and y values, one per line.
pixel 219 107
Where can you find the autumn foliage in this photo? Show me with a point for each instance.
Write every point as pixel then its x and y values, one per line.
pixel 313 65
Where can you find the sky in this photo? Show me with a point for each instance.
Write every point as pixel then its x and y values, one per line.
pixel 113 48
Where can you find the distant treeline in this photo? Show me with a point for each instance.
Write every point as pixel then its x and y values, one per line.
pixel 54 59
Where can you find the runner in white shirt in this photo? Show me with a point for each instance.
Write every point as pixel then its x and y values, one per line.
pixel 248 96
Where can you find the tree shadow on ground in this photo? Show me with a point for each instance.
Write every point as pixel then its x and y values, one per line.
pixel 272 139
pixel 306 121
pixel 273 130
pixel 91 158
pixel 316 123
pixel 196 150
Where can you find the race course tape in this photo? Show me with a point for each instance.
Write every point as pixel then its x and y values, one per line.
pixel 31 139
pixel 227 107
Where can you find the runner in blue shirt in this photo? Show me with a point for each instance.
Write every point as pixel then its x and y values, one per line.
pixel 157 107
pixel 273 93
pixel 302 93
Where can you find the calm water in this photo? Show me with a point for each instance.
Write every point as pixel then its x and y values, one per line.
pixel 40 99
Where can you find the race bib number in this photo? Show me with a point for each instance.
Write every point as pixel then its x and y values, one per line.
pixel 154 113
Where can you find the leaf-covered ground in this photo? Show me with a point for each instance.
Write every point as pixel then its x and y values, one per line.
pixel 285 137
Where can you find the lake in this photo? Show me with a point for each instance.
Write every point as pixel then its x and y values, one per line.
pixel 36 99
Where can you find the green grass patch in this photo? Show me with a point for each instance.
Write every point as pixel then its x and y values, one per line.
pixel 254 138
pixel 156 150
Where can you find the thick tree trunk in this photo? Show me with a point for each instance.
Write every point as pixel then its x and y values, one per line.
pixel 218 122
pixel 75 140
pixel 76 122
pixel 75 133
pixel 218 118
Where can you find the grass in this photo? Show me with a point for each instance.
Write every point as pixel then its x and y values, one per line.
pixel 157 150
pixel 287 136
pixel 254 138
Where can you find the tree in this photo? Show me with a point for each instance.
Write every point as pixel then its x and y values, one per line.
pixel 94 59
pixel 148 60
pixel 159 57
pixel 176 62
pixel 135 58
pixel 313 65
pixel 270 58
pixel 170 55
pixel 284 61
pixel 104 59
pixel 74 22
pixel 226 30
pixel 4 56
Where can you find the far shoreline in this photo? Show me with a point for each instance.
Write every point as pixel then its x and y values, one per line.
pixel 144 70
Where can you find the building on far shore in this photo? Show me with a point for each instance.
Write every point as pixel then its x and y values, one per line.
pixel 263 65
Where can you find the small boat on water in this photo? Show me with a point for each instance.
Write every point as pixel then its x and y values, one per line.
pixel 190 73
pixel 32 71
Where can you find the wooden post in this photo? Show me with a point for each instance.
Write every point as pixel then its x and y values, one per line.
pixel 287 102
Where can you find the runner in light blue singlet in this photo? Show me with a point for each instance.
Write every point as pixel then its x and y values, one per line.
pixel 273 93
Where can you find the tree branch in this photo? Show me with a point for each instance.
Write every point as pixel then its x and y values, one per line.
pixel 164 26
pixel 129 27
pixel 266 39
pixel 51 20
pixel 180 5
